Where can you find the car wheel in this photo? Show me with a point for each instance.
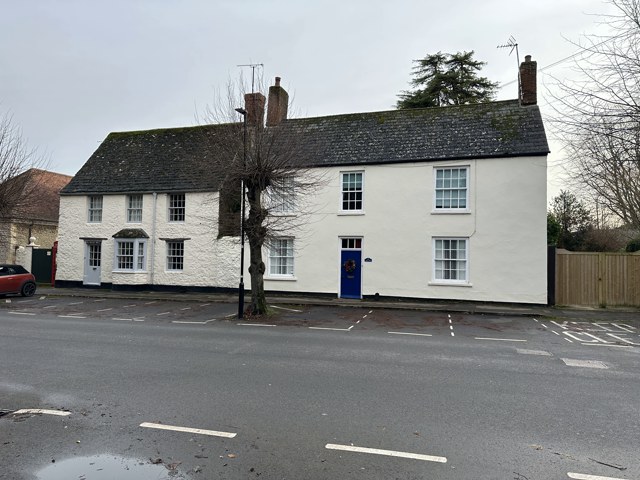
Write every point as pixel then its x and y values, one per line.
pixel 28 289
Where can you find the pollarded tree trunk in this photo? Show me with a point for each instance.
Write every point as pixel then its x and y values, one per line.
pixel 256 234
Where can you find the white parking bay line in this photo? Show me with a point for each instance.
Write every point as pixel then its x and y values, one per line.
pixel 608 345
pixel 333 329
pixel 500 339
pixel 287 309
pixel 193 323
pixel 70 316
pixel 256 325
pixel 104 309
pixel 42 411
pixel 389 453
pixel 22 313
pixel 409 333
pixel 198 431
pixel 583 476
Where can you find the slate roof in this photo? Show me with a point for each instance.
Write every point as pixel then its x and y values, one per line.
pixel 486 130
pixel 183 159
pixel 163 160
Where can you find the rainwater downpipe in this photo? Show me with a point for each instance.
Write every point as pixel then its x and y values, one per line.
pixel 153 236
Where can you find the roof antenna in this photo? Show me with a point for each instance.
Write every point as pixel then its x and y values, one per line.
pixel 513 45
pixel 253 67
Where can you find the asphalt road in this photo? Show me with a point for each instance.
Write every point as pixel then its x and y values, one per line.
pixel 320 393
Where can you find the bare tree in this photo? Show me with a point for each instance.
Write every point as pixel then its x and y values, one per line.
pixel 272 170
pixel 598 114
pixel 16 157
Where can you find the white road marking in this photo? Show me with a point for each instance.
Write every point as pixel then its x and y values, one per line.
pixel 230 315
pixel 185 308
pixel 129 306
pixel 453 334
pixel 389 453
pixel 370 311
pixel 535 320
pixel 584 363
pixel 70 316
pixel 559 325
pixel 409 333
pixel 101 300
pixel 151 303
pixel 500 339
pixel 50 306
pixel 570 341
pixel 364 316
pixel 22 313
pixel 553 331
pixel 163 313
pixel 543 325
pixel 524 351
pixel 256 325
pixel 42 411
pixel 198 431
pixel 583 476
pixel 613 345
pixel 104 309
pixel 334 329
pixel 43 298
pixel 205 304
pixel 194 323
pixel 622 326
pixel 622 339
pixel 7 300
pixel 287 309
pixel 451 327
pixel 75 303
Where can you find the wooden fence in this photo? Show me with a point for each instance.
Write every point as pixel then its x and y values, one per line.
pixel 597 279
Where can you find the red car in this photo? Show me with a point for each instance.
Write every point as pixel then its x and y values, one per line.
pixel 16 279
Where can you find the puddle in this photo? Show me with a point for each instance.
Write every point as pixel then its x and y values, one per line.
pixel 105 467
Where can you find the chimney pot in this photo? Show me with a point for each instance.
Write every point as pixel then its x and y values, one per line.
pixel 527 58
pixel 277 81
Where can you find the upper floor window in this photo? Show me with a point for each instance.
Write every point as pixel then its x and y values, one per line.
pixel 281 197
pixel 451 189
pixel 281 257
pixel 130 255
pixel 352 191
pixel 95 209
pixel 176 207
pixel 134 208
pixel 175 255
pixel 450 260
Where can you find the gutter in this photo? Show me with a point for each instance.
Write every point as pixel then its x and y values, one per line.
pixel 153 237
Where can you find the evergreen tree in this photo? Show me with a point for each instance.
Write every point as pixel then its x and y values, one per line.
pixel 447 79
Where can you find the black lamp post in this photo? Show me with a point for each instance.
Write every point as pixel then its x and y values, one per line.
pixel 242 112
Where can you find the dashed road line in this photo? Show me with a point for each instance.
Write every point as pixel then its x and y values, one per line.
pixel 500 339
pixel 104 309
pixel 22 313
pixel 75 303
pixel 193 323
pixel 204 304
pixel 50 306
pixel 185 308
pixel 101 300
pixel 584 476
pixel 129 306
pixel 389 453
pixel 71 316
pixel 553 331
pixel 409 333
pixel 198 431
pixel 570 341
pixel 128 319
pixel 230 315
pixel 42 411
pixel 256 324
pixel 162 313
pixel 151 303
pixel 543 325
pixel 571 362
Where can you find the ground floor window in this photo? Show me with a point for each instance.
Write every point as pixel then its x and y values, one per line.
pixel 175 255
pixel 450 260
pixel 130 255
pixel 281 257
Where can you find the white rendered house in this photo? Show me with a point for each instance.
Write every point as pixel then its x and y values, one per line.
pixel 437 203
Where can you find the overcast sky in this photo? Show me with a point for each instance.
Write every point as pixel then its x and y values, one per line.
pixel 71 71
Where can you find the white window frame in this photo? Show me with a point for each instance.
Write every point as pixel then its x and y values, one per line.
pixel 273 255
pixel 176 255
pixel 282 201
pixel 436 189
pixel 94 211
pixel 138 258
pixel 438 261
pixel 343 192
pixel 176 205
pixel 132 209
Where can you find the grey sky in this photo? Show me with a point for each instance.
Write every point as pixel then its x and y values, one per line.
pixel 71 71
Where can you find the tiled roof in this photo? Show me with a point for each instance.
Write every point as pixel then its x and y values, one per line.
pixel 169 159
pixel 496 129
pixel 183 159
pixel 40 195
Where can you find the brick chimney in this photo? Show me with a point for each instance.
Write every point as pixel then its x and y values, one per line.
pixel 278 104
pixel 528 89
pixel 254 105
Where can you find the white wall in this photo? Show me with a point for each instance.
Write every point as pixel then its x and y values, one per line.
pixel 506 228
pixel 207 260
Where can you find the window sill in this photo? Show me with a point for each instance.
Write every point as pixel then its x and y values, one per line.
pixel 174 271
pixel 281 279
pixel 128 271
pixel 347 213
pixel 449 284
pixel 451 211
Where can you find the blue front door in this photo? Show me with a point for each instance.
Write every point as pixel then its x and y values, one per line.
pixel 351 274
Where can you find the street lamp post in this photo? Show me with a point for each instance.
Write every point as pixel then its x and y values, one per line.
pixel 242 112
